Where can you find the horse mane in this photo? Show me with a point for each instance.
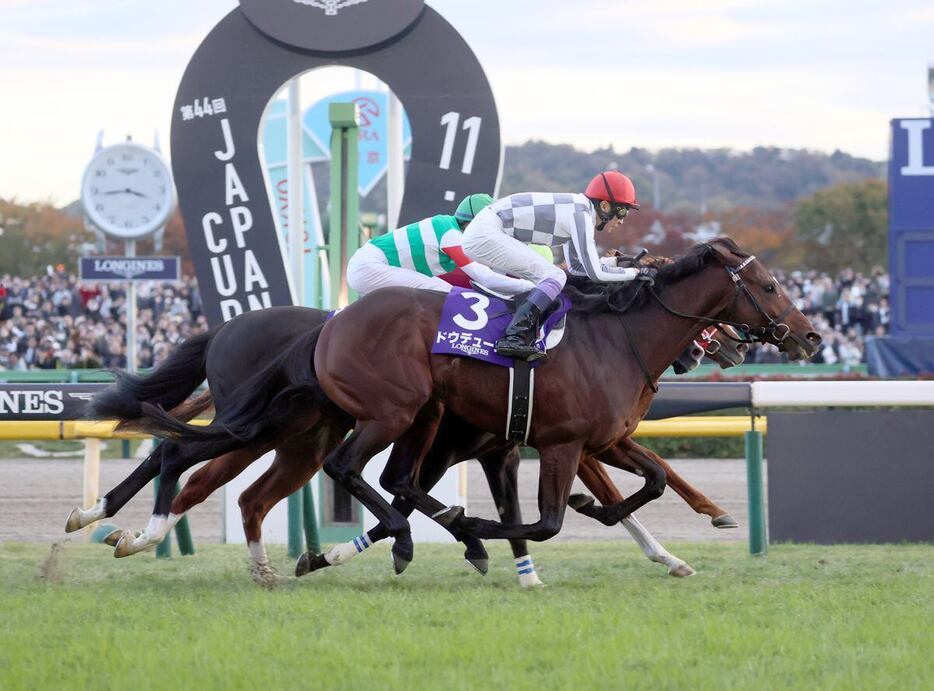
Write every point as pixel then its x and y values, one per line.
pixel 589 297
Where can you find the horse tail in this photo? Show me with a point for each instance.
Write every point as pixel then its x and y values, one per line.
pixel 167 386
pixel 263 404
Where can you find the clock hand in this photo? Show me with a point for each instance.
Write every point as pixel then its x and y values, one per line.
pixel 138 194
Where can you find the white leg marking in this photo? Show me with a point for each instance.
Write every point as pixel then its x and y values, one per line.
pixel 344 552
pixel 155 532
pixel 528 578
pixel 79 518
pixel 260 570
pixel 654 550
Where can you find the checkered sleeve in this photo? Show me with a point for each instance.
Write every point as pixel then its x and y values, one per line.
pixel 585 247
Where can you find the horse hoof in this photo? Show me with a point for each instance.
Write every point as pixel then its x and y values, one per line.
pixel 579 501
pixel 681 571
pixel 309 562
pixel 401 557
pixel 264 575
pixel 724 521
pixel 448 516
pixel 74 521
pixel 481 565
pixel 112 538
pixel 122 548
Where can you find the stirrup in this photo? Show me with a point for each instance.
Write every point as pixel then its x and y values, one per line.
pixel 518 351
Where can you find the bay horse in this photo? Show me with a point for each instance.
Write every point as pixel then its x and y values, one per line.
pixel 232 351
pixel 374 361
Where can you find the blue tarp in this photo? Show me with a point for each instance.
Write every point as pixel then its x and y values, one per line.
pixel 900 356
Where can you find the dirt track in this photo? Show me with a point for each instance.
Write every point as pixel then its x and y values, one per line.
pixel 36 496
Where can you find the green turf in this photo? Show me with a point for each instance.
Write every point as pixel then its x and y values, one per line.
pixel 804 617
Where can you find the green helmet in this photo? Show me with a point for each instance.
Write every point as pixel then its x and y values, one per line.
pixel 471 206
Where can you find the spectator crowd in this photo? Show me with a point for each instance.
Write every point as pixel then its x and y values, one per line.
pixel 53 321
pixel 845 309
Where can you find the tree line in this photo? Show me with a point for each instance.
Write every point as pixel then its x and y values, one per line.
pixel 796 208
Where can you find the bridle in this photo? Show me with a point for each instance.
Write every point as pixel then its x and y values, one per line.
pixel 775 331
pixel 758 334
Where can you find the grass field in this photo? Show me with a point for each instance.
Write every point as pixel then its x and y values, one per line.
pixel 804 617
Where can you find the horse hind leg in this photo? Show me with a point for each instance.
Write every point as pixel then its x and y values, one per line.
pixel 115 499
pixel 696 499
pixel 175 461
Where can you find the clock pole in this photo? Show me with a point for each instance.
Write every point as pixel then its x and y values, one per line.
pixel 130 251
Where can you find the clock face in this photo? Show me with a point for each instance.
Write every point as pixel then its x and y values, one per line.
pixel 127 191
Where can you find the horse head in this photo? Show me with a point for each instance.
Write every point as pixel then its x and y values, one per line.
pixel 760 308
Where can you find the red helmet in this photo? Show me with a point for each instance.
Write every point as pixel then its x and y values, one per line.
pixel 614 187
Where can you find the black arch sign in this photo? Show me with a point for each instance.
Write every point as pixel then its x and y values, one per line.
pixel 215 144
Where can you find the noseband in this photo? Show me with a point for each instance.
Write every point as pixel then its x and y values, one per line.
pixel 776 329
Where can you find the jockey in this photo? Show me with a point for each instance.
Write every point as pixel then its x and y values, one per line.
pixel 500 236
pixel 415 255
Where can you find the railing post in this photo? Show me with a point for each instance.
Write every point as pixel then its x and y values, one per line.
pixel 92 476
pixel 183 532
pixel 295 524
pixel 312 540
pixel 758 529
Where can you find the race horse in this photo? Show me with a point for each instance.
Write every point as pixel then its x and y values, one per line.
pixel 374 361
pixel 246 342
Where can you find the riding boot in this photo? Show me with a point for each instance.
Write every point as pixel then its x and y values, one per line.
pixel 519 340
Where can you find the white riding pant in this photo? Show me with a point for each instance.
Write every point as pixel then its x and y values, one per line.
pixel 485 241
pixel 368 270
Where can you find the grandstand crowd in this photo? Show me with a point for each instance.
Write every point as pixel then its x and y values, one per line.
pixel 55 322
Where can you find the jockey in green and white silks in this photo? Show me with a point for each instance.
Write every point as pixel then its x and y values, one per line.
pixel 415 255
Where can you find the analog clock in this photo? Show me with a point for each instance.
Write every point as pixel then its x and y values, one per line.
pixel 127 191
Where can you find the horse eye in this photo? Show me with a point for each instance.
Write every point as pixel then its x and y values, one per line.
pixel 770 288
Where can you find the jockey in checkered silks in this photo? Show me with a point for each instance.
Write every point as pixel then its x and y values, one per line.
pixel 500 235
pixel 427 254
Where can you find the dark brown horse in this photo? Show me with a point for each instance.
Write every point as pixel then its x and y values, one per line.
pixel 301 444
pixel 374 361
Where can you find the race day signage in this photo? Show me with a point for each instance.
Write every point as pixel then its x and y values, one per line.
pixel 246 59
pixel 128 269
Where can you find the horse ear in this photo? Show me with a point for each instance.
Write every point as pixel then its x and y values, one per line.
pixel 724 250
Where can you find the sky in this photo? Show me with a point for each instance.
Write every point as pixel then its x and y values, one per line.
pixel 816 74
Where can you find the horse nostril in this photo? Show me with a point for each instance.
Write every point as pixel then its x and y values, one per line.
pixel 814 338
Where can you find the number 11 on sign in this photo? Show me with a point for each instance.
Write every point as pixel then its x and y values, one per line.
pixel 450 121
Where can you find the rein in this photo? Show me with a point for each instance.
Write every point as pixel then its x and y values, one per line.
pixel 632 344
pixel 757 334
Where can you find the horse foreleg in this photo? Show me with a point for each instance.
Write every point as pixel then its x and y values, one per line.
pixel 696 499
pixel 629 456
pixel 502 473
pixel 297 460
pixel 557 468
pixel 346 463
pixel 597 480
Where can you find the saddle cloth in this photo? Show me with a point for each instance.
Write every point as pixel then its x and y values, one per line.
pixel 472 321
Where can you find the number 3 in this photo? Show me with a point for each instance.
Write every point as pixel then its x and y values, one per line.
pixel 478 308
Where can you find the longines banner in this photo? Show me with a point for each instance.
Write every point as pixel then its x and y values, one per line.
pixel 45 401
pixel 247 58
pixel 128 269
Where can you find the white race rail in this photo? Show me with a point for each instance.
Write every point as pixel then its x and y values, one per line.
pixel 767 394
